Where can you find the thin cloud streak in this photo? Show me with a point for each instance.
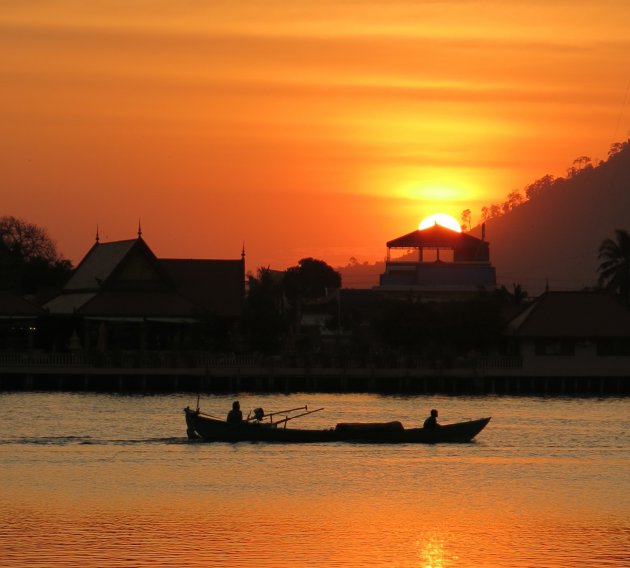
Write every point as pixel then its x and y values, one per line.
pixel 247 110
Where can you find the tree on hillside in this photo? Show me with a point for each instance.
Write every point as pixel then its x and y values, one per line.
pixel 514 199
pixel 536 188
pixel 531 191
pixel 485 214
pixel 617 148
pixel 29 259
pixel 579 164
pixel 466 220
pixel 614 267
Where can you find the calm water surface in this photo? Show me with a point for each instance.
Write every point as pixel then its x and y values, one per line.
pixel 104 480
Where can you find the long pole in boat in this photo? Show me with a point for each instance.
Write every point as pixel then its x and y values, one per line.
pixel 305 407
pixel 285 420
pixel 270 414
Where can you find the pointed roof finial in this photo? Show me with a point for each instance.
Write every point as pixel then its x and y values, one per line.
pixel 139 229
pixel 98 239
pixel 243 251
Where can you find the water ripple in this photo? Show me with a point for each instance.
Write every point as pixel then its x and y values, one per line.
pixel 89 440
pixel 546 484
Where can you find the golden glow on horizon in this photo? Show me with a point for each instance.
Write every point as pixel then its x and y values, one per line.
pixel 440 219
pixel 249 110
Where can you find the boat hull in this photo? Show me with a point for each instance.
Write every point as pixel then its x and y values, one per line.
pixel 213 430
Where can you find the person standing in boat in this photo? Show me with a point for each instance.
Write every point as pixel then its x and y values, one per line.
pixel 431 421
pixel 235 416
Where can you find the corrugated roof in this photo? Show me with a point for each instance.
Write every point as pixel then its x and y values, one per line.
pixel 434 237
pixel 573 314
pixel 98 264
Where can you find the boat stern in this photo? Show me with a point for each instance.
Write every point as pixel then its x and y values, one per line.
pixel 191 431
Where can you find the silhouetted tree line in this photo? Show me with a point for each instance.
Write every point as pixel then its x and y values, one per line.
pixel 531 191
pixel 439 331
pixel 614 268
pixel 393 327
pixel 263 322
pixel 272 316
pixel 273 307
pixel 29 259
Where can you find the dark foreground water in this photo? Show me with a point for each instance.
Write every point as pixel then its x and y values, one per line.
pixel 104 480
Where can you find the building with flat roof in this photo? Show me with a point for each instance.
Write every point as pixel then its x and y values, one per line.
pixel 438 262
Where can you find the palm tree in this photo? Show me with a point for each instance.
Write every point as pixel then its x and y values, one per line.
pixel 614 267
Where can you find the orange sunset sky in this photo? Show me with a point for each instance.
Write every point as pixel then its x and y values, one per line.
pixel 302 128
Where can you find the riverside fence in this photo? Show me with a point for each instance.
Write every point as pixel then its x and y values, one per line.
pixel 194 371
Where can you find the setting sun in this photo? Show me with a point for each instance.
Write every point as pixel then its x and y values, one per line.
pixel 239 113
pixel 440 219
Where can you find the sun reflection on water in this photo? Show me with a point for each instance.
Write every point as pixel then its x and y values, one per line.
pixel 546 485
pixel 432 553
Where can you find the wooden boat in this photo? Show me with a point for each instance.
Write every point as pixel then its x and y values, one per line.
pixel 212 429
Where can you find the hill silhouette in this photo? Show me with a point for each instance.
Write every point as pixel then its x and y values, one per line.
pixel 550 235
pixel 553 238
pixel 360 275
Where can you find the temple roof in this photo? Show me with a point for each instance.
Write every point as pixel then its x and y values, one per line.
pixel 68 303
pixel 125 279
pixel 215 285
pixel 434 237
pixel 573 314
pixel 98 264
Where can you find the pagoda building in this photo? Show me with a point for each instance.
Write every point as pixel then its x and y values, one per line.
pixel 122 296
pixel 438 262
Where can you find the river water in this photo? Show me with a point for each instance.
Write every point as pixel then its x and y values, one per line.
pixel 97 480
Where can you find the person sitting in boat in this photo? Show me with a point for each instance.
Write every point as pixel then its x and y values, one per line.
pixel 235 416
pixel 431 421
